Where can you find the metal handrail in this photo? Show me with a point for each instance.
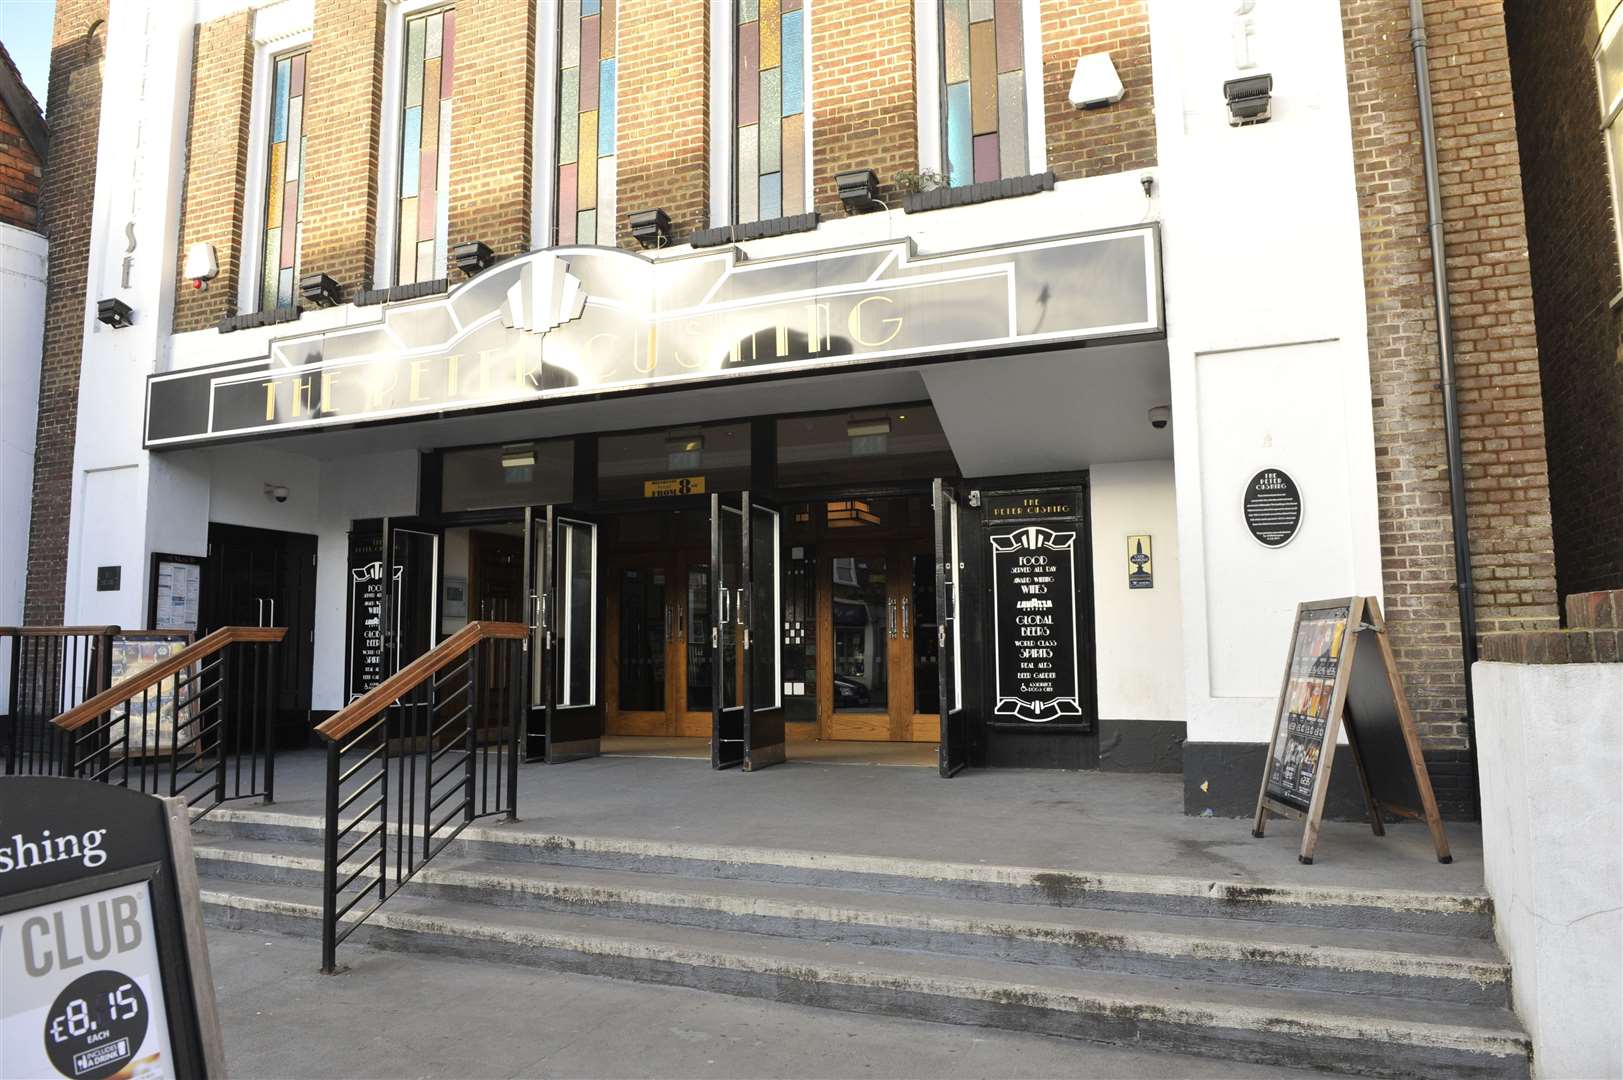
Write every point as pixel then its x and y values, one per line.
pixel 412 762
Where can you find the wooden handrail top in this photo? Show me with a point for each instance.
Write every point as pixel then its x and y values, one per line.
pixel 435 660
pixel 77 717
pixel 58 631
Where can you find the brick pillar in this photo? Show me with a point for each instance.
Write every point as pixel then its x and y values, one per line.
pixel 78 45
pixel 1496 356
pixel 664 118
pixel 342 117
pixel 1115 138
pixel 216 166
pixel 493 119
pixel 864 102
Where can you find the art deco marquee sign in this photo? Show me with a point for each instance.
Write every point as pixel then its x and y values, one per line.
pixel 588 321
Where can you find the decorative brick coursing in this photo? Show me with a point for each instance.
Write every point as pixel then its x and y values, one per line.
pixel 21 171
pixel 211 208
pixel 1502 418
pixel 1113 138
pixel 662 155
pixel 1572 244
pixel 78 44
pixel 343 111
pixel 864 96
pixel 492 123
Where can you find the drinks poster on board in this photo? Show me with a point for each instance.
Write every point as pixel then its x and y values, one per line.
pixel 1034 631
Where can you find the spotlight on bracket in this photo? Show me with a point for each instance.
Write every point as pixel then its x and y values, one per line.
pixel 1250 99
pixel 472 257
pixel 320 290
pixel 114 312
pixel 858 189
pixel 650 228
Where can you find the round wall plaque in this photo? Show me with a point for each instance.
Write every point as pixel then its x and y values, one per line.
pixel 1273 508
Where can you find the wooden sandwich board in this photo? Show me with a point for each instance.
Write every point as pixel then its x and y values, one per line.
pixel 1340 674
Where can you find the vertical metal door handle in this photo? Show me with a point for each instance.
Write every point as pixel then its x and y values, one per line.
pixel 681 623
pixel 668 614
pixel 890 616
pixel 273 612
pixel 721 616
pixel 259 619
pixel 738 607
pixel 906 630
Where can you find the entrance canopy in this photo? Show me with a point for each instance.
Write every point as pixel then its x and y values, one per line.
pixel 579 323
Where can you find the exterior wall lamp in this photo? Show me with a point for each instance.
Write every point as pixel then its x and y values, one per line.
pixel 1250 99
pixel 472 257
pixel 114 312
pixel 319 290
pixel 650 228
pixel 858 190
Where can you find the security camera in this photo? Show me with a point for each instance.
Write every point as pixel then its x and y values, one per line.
pixel 1160 416
pixel 276 491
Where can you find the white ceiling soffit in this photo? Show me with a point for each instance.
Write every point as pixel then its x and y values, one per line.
pixel 1054 411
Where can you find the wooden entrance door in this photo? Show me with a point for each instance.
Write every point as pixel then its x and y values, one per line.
pixel 658 629
pixel 876 642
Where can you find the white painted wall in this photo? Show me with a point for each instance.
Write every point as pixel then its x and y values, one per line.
pixel 22 324
pixel 1138 631
pixel 1550 754
pixel 1266 341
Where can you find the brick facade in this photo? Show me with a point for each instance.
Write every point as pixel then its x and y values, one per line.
pixel 1114 138
pixel 493 122
pixel 1502 418
pixel 663 150
pixel 211 209
pixel 1573 249
pixel 864 96
pixel 342 121
pixel 78 43
pixel 21 160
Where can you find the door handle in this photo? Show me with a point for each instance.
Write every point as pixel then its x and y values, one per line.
pixel 668 613
pixel 738 607
pixel 907 629
pixel 259 619
pixel 890 616
pixel 681 623
pixel 273 612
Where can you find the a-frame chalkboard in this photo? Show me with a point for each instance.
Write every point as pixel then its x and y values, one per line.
pixel 1340 674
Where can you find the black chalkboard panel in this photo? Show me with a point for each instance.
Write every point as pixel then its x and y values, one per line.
pixel 366 596
pixel 1034 624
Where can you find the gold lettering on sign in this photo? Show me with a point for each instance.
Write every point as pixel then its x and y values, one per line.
pixel 451 364
pixel 301 395
pixel 417 367
pixel 270 401
pixel 819 328
pixel 854 323
pixel 327 379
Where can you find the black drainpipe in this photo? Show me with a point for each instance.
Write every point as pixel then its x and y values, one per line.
pixel 1445 363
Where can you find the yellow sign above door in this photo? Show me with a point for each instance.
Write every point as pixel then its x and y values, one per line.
pixel 676 485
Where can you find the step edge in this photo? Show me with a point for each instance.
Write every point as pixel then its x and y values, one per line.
pixel 1147 942
pixel 1462 1038
pixel 1105 882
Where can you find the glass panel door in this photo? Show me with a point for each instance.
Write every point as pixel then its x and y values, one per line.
pixel 693 630
pixel 863 617
pixel 763 637
pixel 645 618
pixel 949 575
pixel 726 633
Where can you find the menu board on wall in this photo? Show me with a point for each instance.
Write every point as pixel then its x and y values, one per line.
pixel 157 720
pixel 366 657
pixel 1034 624
pixel 1341 676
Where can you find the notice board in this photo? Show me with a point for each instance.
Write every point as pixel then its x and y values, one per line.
pixel 1341 675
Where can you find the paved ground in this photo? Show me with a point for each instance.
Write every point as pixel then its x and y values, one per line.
pixel 823 751
pixel 1073 821
pixel 402 1015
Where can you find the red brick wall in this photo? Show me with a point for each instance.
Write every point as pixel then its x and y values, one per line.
pixel 492 123
pixel 1497 355
pixel 344 106
pixel 216 166
pixel 864 101
pixel 20 172
pixel 1114 138
pixel 1572 245
pixel 662 153
pixel 78 43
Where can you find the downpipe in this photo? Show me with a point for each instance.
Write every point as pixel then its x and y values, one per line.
pixel 1445 362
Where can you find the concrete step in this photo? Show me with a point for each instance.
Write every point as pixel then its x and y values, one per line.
pixel 1424 967
pixel 1404 911
pixel 1347 1033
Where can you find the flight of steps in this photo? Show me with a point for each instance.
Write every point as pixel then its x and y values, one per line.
pixel 1359 982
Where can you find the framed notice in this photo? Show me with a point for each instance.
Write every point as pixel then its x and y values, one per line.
pixel 156 720
pixel 102 956
pixel 1034 624
pixel 177 585
pixel 1341 675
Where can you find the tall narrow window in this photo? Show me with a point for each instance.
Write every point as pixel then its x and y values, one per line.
pixel 770 106
pixel 284 188
pixel 586 74
pixel 983 83
pixel 425 147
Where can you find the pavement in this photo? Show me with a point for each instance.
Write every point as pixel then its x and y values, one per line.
pixel 1081 822
pixel 412 1015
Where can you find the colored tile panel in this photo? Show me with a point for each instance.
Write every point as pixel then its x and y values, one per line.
pixel 587 195
pixel 407 256
pixel 794 165
pixel 608 31
pixel 590 7
pixel 411 148
pixel 425 260
pixel 771 23
pixel 415 45
pixel 588 48
pixel 986 159
pixel 605 201
pixel 771 120
pixel 955 40
pixel 448 54
pixel 272 271
pixel 586 227
pixel 749 10
pixel 566 203
pixel 1010 54
pixel 436 36
pixel 568 115
pixel 290 220
pixel 296 88
pixel 749 74
pixel 605 111
pixel 1011 111
pixel 279 98
pixel 981 10
pixel 284 287
pixel 771 196
pixel 295 137
pixel 749 197
pixel 794 63
pixel 569 35
pixel 982 79
pixel 275 183
pixel 960 167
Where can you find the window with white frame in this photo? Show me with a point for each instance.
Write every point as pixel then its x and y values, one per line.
pixel 980 89
pixel 1609 76
pixel 588 40
pixel 280 237
pixel 418 218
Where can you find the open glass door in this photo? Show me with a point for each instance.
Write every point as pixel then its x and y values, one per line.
pixel 727 653
pixel 949 574
pixel 566 702
pixel 763 628
pixel 537 585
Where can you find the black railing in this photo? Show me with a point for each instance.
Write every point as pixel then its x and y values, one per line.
pixel 197 724
pixel 412 762
pixel 51 670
